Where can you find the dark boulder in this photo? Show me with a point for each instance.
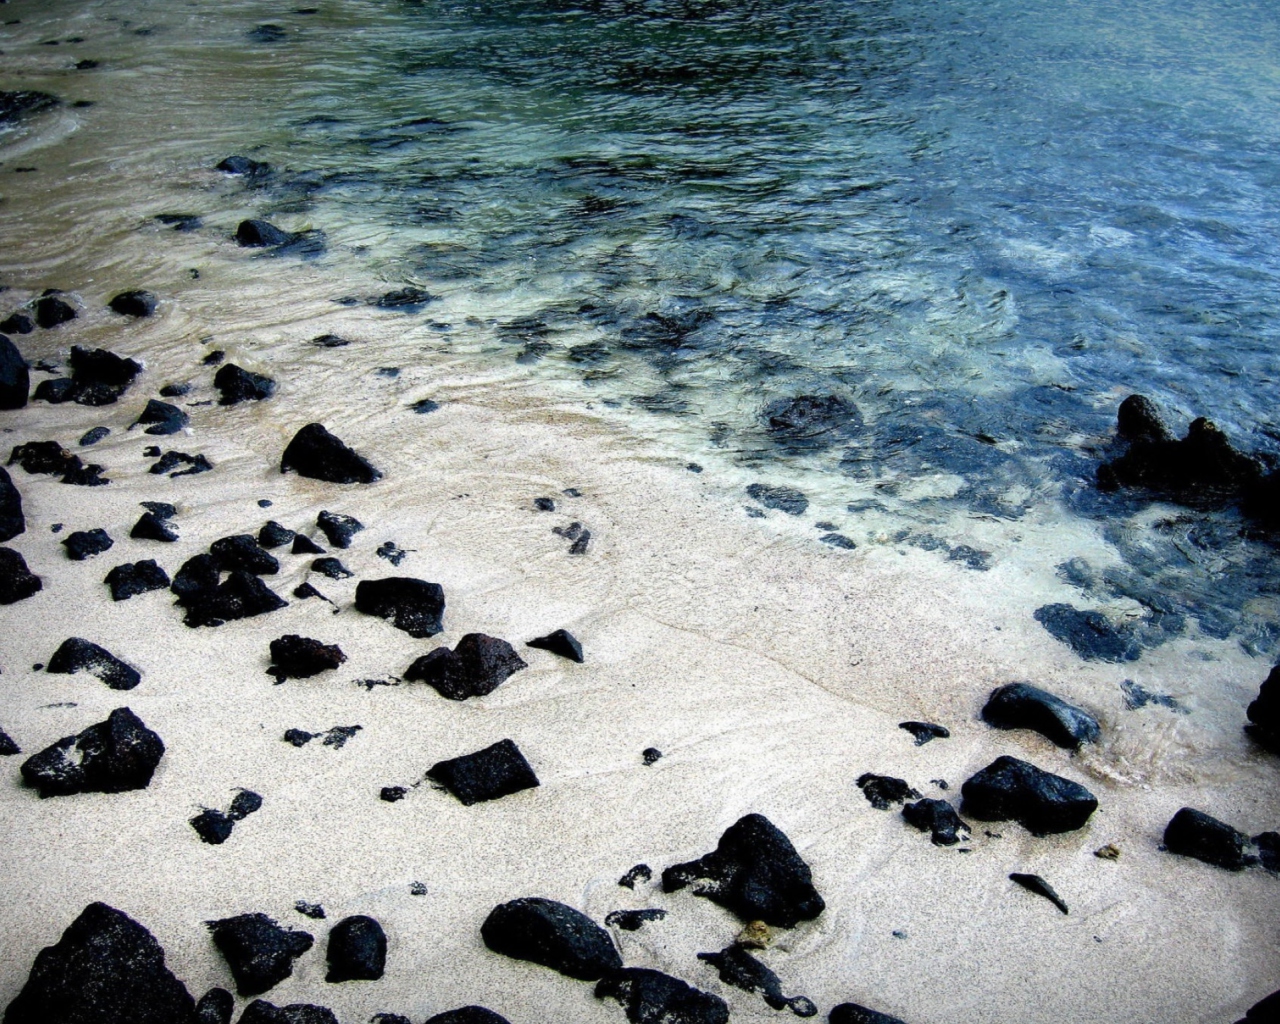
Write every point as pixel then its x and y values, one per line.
pixel 239 385
pixel 98 366
pixel 273 535
pixel 17 582
pixel 740 969
pixel 631 920
pixel 476 667
pixel 135 303
pixel 262 1012
pixel 154 526
pixel 300 657
pixel 106 969
pixel 784 499
pixel 47 457
pixel 243 804
pixel 939 818
pixel 811 420
pixel 1089 633
pixel 1022 706
pixel 1264 713
pixel 17 323
pixel 316 453
pixel 77 655
pixel 1041 802
pixel 260 234
pixel 113 756
pixel 754 872
pixel 12 521
pixel 561 642
pixel 243 552
pixel 338 528
pixel 1138 419
pixel 161 418
pixel 198 575
pixel 51 311
pixel 468 1015
pixel 1193 833
pixel 883 790
pixel 213 826
pixel 651 997
pixel 496 771
pixel 215 1007
pixel 545 932
pixel 357 950
pixel 413 605
pixel 240 596
pixel 1037 885
pixel 243 166
pixel 1266 1011
pixel 331 567
pixel 925 731
pixel 15 378
pixel 130 579
pixel 259 951
pixel 852 1013
pixel 84 543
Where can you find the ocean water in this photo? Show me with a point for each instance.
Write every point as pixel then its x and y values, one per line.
pixel 971 228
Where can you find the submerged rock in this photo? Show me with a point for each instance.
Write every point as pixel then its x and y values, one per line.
pixel 261 234
pixel 24 102
pixel 357 950
pixel 561 642
pixel 316 453
pixel 114 756
pixel 130 579
pixel 754 872
pixel 1264 713
pixel 338 528
pixel 135 303
pixel 17 582
pixel 740 969
pixel 106 969
pixel 651 997
pixel 238 385
pixel 852 1013
pixel 883 790
pixel 545 932
pixel 258 950
pixel 812 420
pixel 1089 633
pixel 76 655
pixel 300 657
pixel 1037 885
pixel 12 521
pixel 15 378
pixel 784 499
pixel 243 166
pixel 496 771
pixel 939 818
pixel 1022 706
pixel 1193 833
pixel 476 667
pixel 925 731
pixel 1041 802
pixel 413 605
pixel 162 418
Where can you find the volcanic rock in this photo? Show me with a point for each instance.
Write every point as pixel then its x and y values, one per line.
pixel 242 552
pixel 51 311
pixel 19 104
pixel 12 521
pixel 1193 833
pixel 42 457
pixel 262 1012
pixel 240 596
pixel 299 657
pixel 1022 706
pixel 273 535
pixel 639 873
pixel 98 366
pixel 357 950
pixel 937 817
pixel 212 826
pixel 162 417
pixel 1037 885
pixel 740 969
pixel 114 756
pixel 17 323
pixel 1264 713
pixel 7 747
pixel 852 1013
pixel 468 1015
pixel 243 165
pixel 496 771
pixel 261 234
pixel 413 605
pixel 476 667
pixel 1041 802
pixel 239 385
pixel 331 567
pixel 215 1007
pixel 1265 1011
pixel 651 997
pixel 561 642
pixel 1089 633
pixel 136 303
pixel 631 920
pixel 198 575
pixel 15 378
pixel 883 790
pixel 171 460
pixel 93 435
pixel 75 655
pixel 316 453
pixel 84 543
pixel 784 499
pixel 551 934
pixel 925 731
pixel 259 951
pixel 17 582
pixel 154 526
pixel 304 545
pixel 339 529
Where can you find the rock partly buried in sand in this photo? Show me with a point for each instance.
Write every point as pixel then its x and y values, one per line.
pixel 331 567
pixel 215 1007
pixel 161 418
pixel 639 873
pixel 316 453
pixel 925 731
pixel 90 367
pixel 7 747
pixel 259 951
pixel 939 818
pixel 357 950
pixel 784 499
pixel 17 582
pixel 1193 833
pixel 740 969
pixel 79 655
pixel 1043 803
pixel 106 969
pixel 561 642
pixel 17 323
pixel 273 535
pixel 12 521
pixel 468 1015
pixel 262 1012
pixel 114 756
pixel 1264 713
pixel 15 378
pixel 135 303
pixel 242 551
pixel 304 545
pixel 754 872
pixel 130 579
pixel 651 997
pixel 52 311
pixel 1266 1011
pixel 631 920
pixel 240 596
pixel 236 385
pixel 496 771
pixel 85 543
pixel 300 657
pixel 338 528
pixel 1022 706
pixel 214 827
pixel 1089 633
pixel 883 790
pixel 852 1013
pixel 413 605
pixel 1037 885
pixel 476 667
pixel 197 575
pixel 171 460
pixel 545 932
pixel 154 526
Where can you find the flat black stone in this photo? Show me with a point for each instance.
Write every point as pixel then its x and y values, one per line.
pixel 240 385
pixel 631 920
pixel 1043 803
pixel 215 1007
pixel 76 655
pixel 300 657
pixel 496 771
pixel 331 567
pixel 304 545
pixel 213 827
pixel 106 969
pixel 338 528
pixel 240 596
pixel 883 790
pixel 273 535
pixel 1264 713
pixel 784 499
pixel 852 1013
pixel 413 605
pixel 93 436
pixel 15 378
pixel 162 418
pixel 1193 833
pixel 7 747
pixel 243 552
pixel 1037 885
pixel 51 311
pixel 12 521
pixel 740 969
pixel 838 540
pixel 330 341
pixel 925 731
pixel 639 873
pixel 937 817
pixel 476 667
pixel 553 935
pixel 651 997
pixel 1022 706
pixel 153 527
pixel 113 756
pixel 130 579
pixel 560 642
pixel 261 234
pixel 258 950
pixel 1089 633
pixel 316 453
pixel 357 950
pixel 262 1012
pixel 135 303
pixel 17 582
pixel 754 872
pixel 468 1015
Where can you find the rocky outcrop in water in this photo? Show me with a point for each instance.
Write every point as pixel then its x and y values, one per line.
pixel 476 667
pixel 651 997
pixel 784 499
pixel 316 453
pixel 496 771
pixel 810 421
pixel 78 655
pixel 1022 706
pixel 114 756
pixel 1043 803
pixel 545 932
pixel 258 950
pixel 23 103
pixel 1089 633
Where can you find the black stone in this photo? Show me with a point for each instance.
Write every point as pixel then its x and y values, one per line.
pixel 298 737
pixel 214 358
pixel 570 532
pixel 153 527
pixel 240 596
pixel 357 950
pixel 93 436
pixel 545 932
pixel 811 420
pixel 1041 802
pixel 76 655
pixel 311 910
pixel 544 504
pixel 631 920
pixel 242 165
pixel 51 311
pixel 259 234
pixel 424 406
pixel 304 545
pixel 181 221
pixel 784 499
pixel 339 529
pixel 330 341
pixel 331 567
pixel 639 873
pixel 215 1007
pixel 1193 833
pixel 259 951
pixel 239 385
pixel 243 804
pixel 98 366
pixel 413 605
pixel 113 756
pixel 393 793
pixel 273 535
pixel 316 453
pixel 1022 706
pixel 1089 633
pixel 198 575
pixel 391 552
pixel 651 997
pixel 42 457
pixel 17 323
pixel 476 667
pixel 838 540
pixel 1264 713
pixel 937 817
pixel 883 790
pixel 1266 1011
pixel 133 578
pixel 496 771
pixel 84 476
pixel 468 1015
pixel 925 731
pixel 171 460
pixel 136 303
pixel 1037 885
pixel 262 1012
pixel 740 969
pixel 17 582
pixel 12 521
pixel 106 969
pixel 175 390
pixel 162 418
pixel 242 552
pixel 15 378
pixel 7 746
pixel 852 1013
pixel 1268 845
pixel 55 392
pixel 650 756
pixel 405 300
pixel 300 657
pixel 754 872
pixel 213 827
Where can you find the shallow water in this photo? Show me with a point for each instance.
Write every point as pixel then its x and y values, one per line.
pixel 979 224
